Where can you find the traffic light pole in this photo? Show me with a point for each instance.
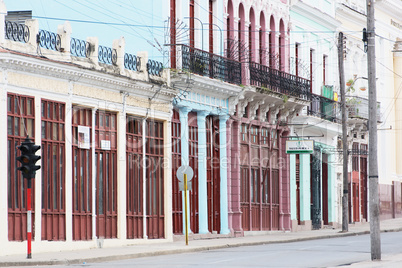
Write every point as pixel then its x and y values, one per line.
pixel 29 219
pixel 28 159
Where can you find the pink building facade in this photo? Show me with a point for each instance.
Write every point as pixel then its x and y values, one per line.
pixel 258 173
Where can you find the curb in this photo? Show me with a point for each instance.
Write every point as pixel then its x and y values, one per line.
pixel 182 250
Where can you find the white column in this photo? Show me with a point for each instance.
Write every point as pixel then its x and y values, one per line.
pixel 121 174
pixel 69 176
pixel 184 153
pixel 38 177
pixel 93 175
pixel 3 164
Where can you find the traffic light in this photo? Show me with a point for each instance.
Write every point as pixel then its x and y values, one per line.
pixel 28 158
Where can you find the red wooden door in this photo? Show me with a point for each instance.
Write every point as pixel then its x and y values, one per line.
pixel 177 208
pixel 106 174
pixel 245 198
pixel 20 123
pixel 213 174
pixel 255 199
pixel 193 162
pixel 275 199
pixel 266 200
pixel 325 189
pixel 154 180
pixel 363 182
pixel 53 171
pixel 82 174
pixel 134 181
pixel 355 197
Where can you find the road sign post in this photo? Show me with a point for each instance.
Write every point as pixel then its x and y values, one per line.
pixel 185 174
pixel 185 207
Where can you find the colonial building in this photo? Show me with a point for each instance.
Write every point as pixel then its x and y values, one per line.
pixel 314 177
pixel 102 118
pixel 257 36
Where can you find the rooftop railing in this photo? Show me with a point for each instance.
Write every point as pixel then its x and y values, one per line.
pixel 79 48
pixel 49 40
pixel 154 67
pixel 16 32
pixel 107 55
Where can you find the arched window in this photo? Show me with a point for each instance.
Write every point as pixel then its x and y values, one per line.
pixel 251 37
pixel 262 35
pixel 272 44
pixel 282 45
pixel 241 35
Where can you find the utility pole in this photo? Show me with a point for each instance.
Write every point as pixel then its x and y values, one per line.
pixel 345 220
pixel 373 164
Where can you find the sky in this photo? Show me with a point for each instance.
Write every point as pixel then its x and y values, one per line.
pixel 141 22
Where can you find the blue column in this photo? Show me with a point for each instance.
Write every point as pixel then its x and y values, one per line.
pixel 183 112
pixel 305 203
pixel 202 173
pixel 293 195
pixel 224 174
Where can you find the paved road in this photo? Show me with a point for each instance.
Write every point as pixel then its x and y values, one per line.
pixel 314 253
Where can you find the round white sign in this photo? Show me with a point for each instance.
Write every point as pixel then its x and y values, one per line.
pixel 184 170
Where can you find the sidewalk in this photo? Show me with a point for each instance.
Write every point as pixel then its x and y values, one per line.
pixel 154 249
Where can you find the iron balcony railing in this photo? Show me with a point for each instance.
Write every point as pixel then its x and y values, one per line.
pixel 324 108
pixel 16 32
pixel 211 65
pixel 358 107
pixel 279 81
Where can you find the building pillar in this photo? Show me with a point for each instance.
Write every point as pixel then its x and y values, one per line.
pixel 224 174
pixel 202 173
pixel 93 175
pixel 305 191
pixel 229 171
pixel 235 178
pixel 293 196
pixel 332 207
pixel 183 112
pixel 4 164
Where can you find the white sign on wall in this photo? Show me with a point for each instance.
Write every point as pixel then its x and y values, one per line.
pixel 83 137
pixel 105 145
pixel 299 146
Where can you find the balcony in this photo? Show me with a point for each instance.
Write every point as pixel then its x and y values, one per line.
pixel 279 81
pixel 324 108
pixel 211 65
pixel 358 107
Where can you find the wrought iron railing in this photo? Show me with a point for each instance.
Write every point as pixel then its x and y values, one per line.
pixel 207 64
pixel 279 81
pixel 154 67
pixel 79 48
pixel 324 108
pixel 49 40
pixel 132 62
pixel 16 32
pixel 358 107
pixel 107 55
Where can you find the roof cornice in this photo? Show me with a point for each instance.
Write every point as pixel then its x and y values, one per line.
pixel 75 73
pixel 315 14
